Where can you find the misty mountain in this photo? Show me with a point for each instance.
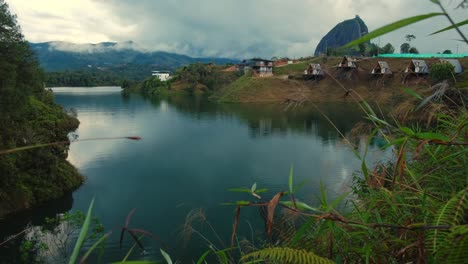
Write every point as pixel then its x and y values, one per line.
pixel 62 56
pixel 341 34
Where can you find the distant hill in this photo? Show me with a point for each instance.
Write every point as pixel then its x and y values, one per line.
pixel 63 56
pixel 341 34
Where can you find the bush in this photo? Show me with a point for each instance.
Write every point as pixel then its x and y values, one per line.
pixel 442 71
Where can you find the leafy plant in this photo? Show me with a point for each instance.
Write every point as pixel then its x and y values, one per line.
pixel 286 255
pixel 442 71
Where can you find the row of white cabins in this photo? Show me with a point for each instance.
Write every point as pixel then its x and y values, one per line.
pixel 264 68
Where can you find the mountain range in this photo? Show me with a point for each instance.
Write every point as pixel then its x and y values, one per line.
pixel 65 56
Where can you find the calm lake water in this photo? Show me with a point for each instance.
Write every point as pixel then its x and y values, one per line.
pixel 191 152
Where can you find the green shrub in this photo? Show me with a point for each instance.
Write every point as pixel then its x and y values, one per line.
pixel 442 71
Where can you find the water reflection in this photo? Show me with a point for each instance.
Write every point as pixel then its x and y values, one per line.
pixel 192 151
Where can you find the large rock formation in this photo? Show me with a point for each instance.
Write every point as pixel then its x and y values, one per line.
pixel 341 34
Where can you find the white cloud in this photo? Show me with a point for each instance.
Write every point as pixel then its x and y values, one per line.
pixel 229 28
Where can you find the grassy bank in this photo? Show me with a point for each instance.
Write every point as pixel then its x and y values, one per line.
pixel 288 84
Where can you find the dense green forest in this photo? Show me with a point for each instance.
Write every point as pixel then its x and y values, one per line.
pixel 28 117
pixel 112 76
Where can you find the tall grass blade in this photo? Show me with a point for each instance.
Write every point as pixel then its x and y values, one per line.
pixel 291 174
pixel 94 246
pixel 391 27
pixel 166 256
pixel 82 236
pixel 459 24
pixel 137 262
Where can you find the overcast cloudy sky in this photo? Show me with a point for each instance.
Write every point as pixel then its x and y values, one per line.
pixel 228 28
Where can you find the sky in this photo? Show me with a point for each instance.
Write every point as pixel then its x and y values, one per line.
pixel 229 28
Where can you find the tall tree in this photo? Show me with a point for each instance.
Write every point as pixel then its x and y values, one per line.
pixel 388 49
pixel 413 50
pixel 405 48
pixel 447 52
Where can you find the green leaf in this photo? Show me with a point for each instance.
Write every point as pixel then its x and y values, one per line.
pixel 412 93
pixel 435 1
pixel 397 141
pixel 300 205
pixel 93 247
pixel 407 131
pixel 254 187
pixel 459 24
pixel 166 256
pixel 291 173
pixel 241 190
pixel 432 136
pixel 391 27
pixel 136 262
pixel 82 236
pixel 202 258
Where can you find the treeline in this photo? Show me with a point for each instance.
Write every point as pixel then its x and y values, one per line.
pixel 81 79
pixel 193 78
pixel 112 76
pixel 29 117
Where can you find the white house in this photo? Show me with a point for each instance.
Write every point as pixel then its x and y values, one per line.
pixel 162 75
pixel 418 67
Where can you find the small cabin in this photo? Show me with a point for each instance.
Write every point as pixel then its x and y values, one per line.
pixel 161 75
pixel 382 67
pixel 458 68
pixel 418 67
pixel 260 67
pixel 347 63
pixel 314 69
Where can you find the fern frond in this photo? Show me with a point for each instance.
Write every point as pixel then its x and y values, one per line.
pixel 286 255
pixel 451 214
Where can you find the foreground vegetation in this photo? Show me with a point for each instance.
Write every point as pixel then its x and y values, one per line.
pixel 409 209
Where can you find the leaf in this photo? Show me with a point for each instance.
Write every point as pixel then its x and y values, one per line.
pixel 391 27
pixel 203 257
pixel 254 187
pixel 241 190
pixel 300 205
pixel 166 256
pixel 82 236
pixel 271 210
pixel 412 93
pixel 459 24
pixel 127 222
pixel 291 173
pixel 94 246
pixel 144 232
pixel 136 262
pixel 432 136
pixel 407 131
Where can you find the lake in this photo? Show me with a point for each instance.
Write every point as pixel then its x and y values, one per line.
pixel 192 151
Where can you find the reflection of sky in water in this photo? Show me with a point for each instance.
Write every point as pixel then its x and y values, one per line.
pixel 188 161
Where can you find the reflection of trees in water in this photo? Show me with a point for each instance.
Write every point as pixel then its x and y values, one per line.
pixel 275 119
pixel 36 217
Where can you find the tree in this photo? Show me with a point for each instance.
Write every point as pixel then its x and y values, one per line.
pixel 447 52
pixel 373 49
pixel 413 50
pixel 409 38
pixel 362 48
pixel 388 49
pixel 405 48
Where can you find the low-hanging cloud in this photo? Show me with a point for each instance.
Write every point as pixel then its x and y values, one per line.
pixel 236 28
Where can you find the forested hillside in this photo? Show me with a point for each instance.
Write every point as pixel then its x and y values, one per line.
pixel 28 117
